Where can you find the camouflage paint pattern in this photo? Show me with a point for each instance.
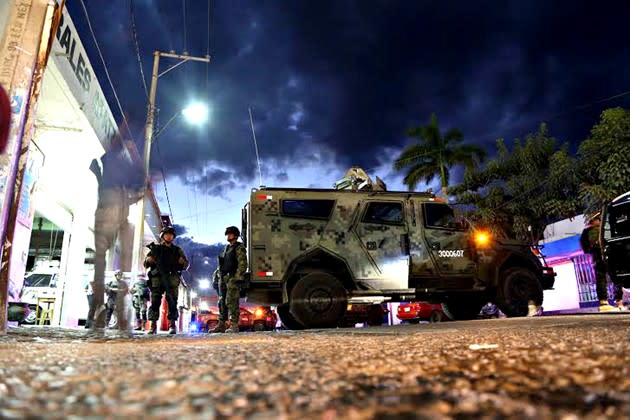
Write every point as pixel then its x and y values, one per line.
pixel 374 252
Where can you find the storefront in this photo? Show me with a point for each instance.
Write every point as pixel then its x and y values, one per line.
pixel 575 286
pixel 55 204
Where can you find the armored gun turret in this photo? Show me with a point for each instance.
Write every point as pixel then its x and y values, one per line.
pixel 356 179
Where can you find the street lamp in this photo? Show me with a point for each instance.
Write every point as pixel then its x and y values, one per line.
pixel 204 284
pixel 148 132
pixel 196 113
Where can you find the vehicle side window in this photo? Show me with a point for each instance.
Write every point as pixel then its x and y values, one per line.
pixel 38 280
pixel 620 220
pixel 308 209
pixel 440 216
pixel 389 213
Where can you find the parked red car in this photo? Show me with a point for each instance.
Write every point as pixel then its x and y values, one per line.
pixel 415 312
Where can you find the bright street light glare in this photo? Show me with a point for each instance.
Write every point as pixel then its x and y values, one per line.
pixel 204 284
pixel 193 294
pixel 196 113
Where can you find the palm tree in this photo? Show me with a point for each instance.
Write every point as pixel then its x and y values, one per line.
pixel 435 154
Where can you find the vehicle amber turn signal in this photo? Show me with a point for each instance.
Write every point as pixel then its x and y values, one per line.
pixel 482 239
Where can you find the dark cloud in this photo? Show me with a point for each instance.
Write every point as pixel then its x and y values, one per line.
pixel 349 77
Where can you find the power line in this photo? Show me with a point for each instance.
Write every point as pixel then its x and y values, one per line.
pixel 168 200
pixel 100 54
pixel 134 36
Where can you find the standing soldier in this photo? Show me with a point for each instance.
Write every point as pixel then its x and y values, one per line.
pixel 141 295
pixel 111 289
pixel 589 240
pixel 232 267
pixel 166 262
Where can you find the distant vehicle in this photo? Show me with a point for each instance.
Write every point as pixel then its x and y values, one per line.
pixel 259 319
pixel 39 283
pixel 314 251
pixel 264 319
pixel 370 314
pixel 414 312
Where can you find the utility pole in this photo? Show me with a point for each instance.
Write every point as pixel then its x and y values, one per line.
pixel 148 138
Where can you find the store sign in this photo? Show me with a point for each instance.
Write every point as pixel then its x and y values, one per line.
pixel 72 61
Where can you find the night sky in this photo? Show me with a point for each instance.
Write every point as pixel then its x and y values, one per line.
pixel 337 83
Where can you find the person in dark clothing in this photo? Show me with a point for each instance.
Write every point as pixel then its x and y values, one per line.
pixel 121 183
pixel 589 241
pixel 166 262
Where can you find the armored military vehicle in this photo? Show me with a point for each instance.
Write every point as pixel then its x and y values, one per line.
pixel 314 251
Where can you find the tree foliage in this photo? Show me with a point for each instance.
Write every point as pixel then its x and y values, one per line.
pixel 434 154
pixel 604 160
pixel 523 188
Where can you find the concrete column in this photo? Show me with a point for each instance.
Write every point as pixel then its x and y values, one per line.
pixel 73 302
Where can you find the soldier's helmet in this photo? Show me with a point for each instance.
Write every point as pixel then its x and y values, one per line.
pixel 118 273
pixel 232 229
pixel 167 229
pixel 593 219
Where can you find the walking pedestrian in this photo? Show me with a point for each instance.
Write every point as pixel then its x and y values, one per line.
pixel 165 262
pixel 589 240
pixel 141 295
pixel 89 293
pixel 231 274
pixel 111 289
pixel 120 183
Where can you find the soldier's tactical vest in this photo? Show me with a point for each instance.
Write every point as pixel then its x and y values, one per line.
pixel 229 262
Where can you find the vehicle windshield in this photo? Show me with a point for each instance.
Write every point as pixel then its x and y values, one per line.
pixel 38 280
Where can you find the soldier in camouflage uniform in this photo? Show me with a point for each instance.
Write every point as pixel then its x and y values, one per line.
pixel 231 271
pixel 166 261
pixel 141 295
pixel 111 289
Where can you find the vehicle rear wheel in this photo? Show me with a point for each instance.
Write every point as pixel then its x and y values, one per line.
pixel 210 325
pixel 318 300
pixel 463 307
pixel 435 317
pixel 518 286
pixel 288 321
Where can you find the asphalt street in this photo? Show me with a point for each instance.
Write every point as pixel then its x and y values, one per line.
pixel 548 367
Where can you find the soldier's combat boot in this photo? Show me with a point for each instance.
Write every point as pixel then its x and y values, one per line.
pixel 172 327
pixel 220 328
pixel 233 328
pixel 153 328
pixel 138 325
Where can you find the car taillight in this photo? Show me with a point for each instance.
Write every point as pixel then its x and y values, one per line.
pixel 548 271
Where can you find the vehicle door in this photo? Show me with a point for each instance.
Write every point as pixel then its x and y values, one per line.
pixel 447 241
pixel 382 231
pixel 616 241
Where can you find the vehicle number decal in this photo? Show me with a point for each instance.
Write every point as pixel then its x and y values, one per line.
pixel 451 253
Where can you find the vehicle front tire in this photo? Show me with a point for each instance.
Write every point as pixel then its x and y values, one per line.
pixel 518 286
pixel 288 321
pixel 318 300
